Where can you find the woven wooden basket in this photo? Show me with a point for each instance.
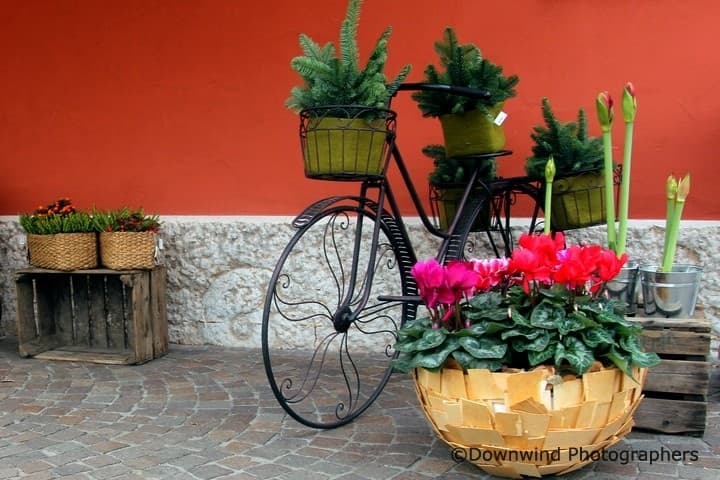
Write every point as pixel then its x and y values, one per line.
pixel 127 250
pixel 63 251
pixel 515 424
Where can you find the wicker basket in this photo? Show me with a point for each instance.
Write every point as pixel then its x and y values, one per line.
pixel 63 251
pixel 512 424
pixel 127 250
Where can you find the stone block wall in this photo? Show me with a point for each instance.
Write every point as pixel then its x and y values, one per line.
pixel 219 267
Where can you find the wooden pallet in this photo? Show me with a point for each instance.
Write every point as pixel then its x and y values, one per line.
pixel 676 390
pixel 101 315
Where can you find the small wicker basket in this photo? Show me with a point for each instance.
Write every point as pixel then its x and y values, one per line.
pixel 63 251
pixel 529 423
pixel 127 250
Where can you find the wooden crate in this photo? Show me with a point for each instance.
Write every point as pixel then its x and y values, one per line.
pixel 676 390
pixel 100 316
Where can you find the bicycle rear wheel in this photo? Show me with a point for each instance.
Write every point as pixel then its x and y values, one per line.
pixel 327 339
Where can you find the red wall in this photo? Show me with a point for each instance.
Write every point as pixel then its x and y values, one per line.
pixel 178 105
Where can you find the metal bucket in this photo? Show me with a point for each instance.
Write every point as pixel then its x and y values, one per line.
pixel 670 294
pixel 624 287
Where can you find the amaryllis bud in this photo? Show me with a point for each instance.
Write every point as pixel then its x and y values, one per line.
pixel 604 104
pixel 671 187
pixel 683 188
pixel 629 103
pixel 550 170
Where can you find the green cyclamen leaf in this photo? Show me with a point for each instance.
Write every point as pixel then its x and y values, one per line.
pixel 570 324
pixel 575 353
pixel 637 355
pixel 536 358
pixel 597 336
pixel 525 332
pixel 488 328
pixel 431 338
pixel 644 359
pixel 621 361
pixel 538 344
pixel 546 315
pixel 402 364
pixel 468 361
pixel 414 328
pixel 484 348
pixel 434 359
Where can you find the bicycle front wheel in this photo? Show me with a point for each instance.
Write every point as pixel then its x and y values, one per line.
pixel 327 338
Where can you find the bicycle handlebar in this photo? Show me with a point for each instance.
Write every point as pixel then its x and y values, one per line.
pixel 451 89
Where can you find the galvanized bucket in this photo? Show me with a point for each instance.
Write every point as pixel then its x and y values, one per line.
pixel 670 294
pixel 624 287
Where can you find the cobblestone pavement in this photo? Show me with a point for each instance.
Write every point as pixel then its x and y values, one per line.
pixel 207 413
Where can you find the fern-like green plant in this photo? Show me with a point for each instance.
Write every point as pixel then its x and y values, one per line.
pixel 331 79
pixel 572 149
pixel 453 170
pixel 463 66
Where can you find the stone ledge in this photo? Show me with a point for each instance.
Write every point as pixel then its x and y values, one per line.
pixel 218 269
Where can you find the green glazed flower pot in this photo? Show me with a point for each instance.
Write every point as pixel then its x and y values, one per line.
pixel 341 148
pixel 472 132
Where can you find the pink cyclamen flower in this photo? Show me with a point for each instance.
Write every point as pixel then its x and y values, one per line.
pixel 460 281
pixel 491 272
pixel 430 276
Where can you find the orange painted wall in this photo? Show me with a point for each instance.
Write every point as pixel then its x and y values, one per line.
pixel 177 105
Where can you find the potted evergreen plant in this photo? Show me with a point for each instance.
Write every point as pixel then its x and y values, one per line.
pixel 447 182
pixel 471 125
pixel 578 189
pixel 343 106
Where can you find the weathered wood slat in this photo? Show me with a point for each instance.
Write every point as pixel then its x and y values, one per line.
pixel 671 416
pixel 92 355
pixel 679 376
pixel 158 310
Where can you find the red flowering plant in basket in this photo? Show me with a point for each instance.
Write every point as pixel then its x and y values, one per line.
pixel 57 217
pixel 543 305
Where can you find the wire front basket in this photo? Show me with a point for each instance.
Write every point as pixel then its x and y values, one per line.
pixel 579 201
pixel 346 142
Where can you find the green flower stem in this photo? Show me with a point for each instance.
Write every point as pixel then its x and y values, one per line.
pixel 625 190
pixel 548 205
pixel 673 230
pixel 609 200
pixel 549 177
pixel 671 192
